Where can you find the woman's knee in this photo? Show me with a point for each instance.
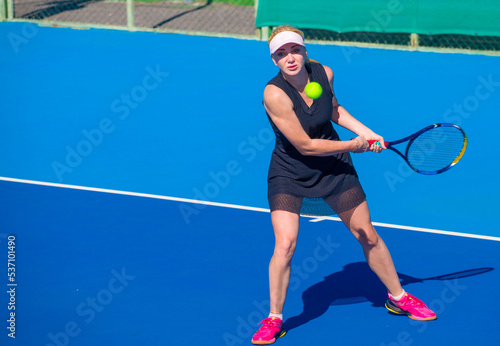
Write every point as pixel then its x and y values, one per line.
pixel 286 230
pixel 367 236
pixel 285 248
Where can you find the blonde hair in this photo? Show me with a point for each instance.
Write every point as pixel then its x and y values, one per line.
pixel 282 28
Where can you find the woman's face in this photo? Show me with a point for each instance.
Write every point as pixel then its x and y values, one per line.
pixel 290 58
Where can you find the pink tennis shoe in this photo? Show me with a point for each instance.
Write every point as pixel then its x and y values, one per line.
pixel 412 307
pixel 268 332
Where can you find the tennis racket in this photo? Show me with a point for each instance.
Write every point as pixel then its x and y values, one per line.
pixel 432 150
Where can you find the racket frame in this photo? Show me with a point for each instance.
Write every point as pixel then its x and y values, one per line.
pixel 411 138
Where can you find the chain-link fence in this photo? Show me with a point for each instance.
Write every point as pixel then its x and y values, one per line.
pixel 223 17
pixel 72 11
pixel 232 17
pixel 412 41
pixel 235 17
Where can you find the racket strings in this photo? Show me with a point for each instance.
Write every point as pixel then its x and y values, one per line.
pixel 436 149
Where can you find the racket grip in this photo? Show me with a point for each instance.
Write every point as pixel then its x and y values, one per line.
pixel 371 141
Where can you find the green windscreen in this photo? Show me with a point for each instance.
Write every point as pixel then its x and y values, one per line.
pixel 430 17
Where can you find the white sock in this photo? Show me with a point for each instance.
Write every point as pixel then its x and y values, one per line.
pixel 397 298
pixel 280 316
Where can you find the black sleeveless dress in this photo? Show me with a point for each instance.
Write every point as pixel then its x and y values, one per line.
pixel 329 184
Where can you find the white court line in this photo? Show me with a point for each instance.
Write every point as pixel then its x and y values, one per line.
pixel 234 206
pixel 416 229
pixel 128 193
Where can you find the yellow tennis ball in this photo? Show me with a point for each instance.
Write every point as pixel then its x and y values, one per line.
pixel 313 90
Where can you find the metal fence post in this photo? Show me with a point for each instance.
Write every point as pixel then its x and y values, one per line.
pixel 9 10
pixel 3 15
pixel 264 32
pixel 414 41
pixel 257 30
pixel 130 14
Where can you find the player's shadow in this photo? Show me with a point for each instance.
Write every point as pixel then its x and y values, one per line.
pixel 356 283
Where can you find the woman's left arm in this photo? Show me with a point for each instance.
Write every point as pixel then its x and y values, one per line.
pixel 342 117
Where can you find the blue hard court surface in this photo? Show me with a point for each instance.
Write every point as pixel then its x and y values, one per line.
pixel 181 116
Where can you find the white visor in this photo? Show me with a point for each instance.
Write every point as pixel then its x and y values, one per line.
pixel 283 38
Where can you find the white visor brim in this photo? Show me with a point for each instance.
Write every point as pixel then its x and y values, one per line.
pixel 283 38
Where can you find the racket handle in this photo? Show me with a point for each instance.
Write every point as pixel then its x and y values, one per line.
pixel 371 141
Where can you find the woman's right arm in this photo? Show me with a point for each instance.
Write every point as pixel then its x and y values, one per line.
pixel 280 109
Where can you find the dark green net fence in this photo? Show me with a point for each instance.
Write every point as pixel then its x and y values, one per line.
pixel 460 24
pixel 406 40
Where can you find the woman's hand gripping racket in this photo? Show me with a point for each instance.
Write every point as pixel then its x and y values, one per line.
pixel 432 150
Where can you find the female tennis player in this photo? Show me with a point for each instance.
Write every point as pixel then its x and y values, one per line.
pixel 310 161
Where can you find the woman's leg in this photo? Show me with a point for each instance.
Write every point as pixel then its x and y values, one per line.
pixel 376 253
pixel 286 231
pixel 379 259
